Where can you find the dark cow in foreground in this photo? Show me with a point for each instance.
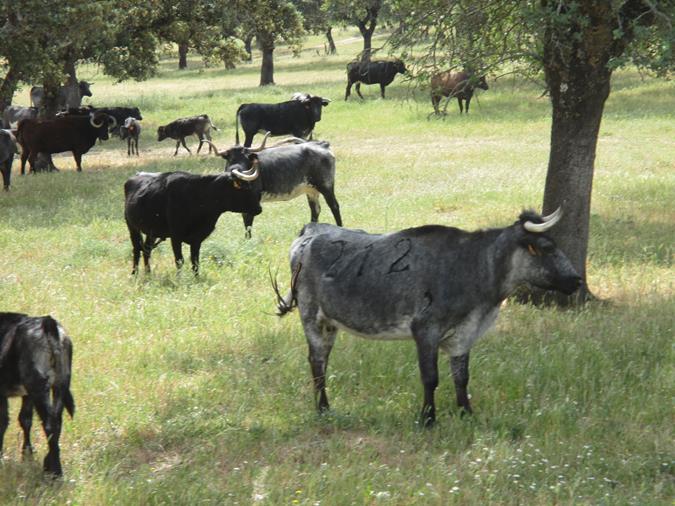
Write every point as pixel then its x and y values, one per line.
pixel 440 286
pixel 7 152
pixel 288 171
pixel 67 97
pixel 295 117
pixel 35 364
pixel 185 208
pixel 15 113
pixel 131 131
pixel 455 84
pixel 70 133
pixel 372 72
pixel 184 127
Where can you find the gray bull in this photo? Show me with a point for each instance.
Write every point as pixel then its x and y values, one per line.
pixel 437 285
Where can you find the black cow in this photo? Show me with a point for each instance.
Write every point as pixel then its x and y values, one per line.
pixel 440 286
pixel 296 117
pixel 15 113
pixel 131 131
pixel 66 97
pixel 119 113
pixel 7 152
pixel 35 364
pixel 181 128
pixel 70 133
pixel 372 72
pixel 185 208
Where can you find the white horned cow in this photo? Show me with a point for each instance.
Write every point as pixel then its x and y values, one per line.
pixel 440 286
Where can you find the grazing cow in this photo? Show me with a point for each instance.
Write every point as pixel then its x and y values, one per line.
pixel 65 98
pixel 70 133
pixel 181 128
pixel 185 208
pixel 455 84
pixel 438 285
pixel 7 152
pixel 131 130
pixel 35 363
pixel 296 117
pixel 288 171
pixel 372 72
pixel 15 113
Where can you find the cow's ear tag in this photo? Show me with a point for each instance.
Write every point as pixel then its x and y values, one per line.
pixel 532 250
pixel 237 185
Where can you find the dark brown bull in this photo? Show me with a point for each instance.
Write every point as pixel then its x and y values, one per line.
pixel 450 84
pixel 69 133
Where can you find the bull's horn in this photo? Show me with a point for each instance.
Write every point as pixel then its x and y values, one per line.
pixel 262 145
pixel 247 176
pixel 114 121
pixel 218 153
pixel 93 123
pixel 549 221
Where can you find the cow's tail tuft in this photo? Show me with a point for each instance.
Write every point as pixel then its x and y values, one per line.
pixel 286 304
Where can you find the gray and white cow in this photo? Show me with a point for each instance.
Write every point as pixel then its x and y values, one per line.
pixel 290 170
pixel 15 113
pixel 438 285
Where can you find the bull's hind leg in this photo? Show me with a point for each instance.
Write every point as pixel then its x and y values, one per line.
pixel 320 339
pixel 332 202
pixel 358 89
pixel 148 246
pixel 427 355
pixel 177 252
pixel 26 422
pixel 314 206
pixel 460 374
pixel 38 390
pixel 349 90
pixel 78 161
pixel 194 256
pixel 4 419
pixel 137 245
pixel 382 87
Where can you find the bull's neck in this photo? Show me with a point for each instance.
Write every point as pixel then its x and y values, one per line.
pixel 496 261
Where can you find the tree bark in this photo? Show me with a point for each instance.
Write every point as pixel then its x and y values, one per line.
pixel 182 56
pixel 48 110
pixel 331 43
pixel 267 67
pixel 367 27
pixel 71 88
pixel 7 88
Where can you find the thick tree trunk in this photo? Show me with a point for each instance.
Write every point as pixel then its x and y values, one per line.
pixel 367 28
pixel 331 43
pixel 367 44
pixel 48 110
pixel 71 88
pixel 267 67
pixel 182 56
pixel 7 88
pixel 248 42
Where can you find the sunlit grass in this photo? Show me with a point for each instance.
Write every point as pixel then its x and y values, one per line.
pixel 188 390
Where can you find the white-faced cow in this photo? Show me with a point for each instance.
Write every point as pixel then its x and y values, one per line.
pixel 440 286
pixel 290 170
pixel 185 208
pixel 460 85
pixel 295 117
pixel 35 364
pixel 372 72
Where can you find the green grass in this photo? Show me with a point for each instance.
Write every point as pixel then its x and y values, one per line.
pixel 188 391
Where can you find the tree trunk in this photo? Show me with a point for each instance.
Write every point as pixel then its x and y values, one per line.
pixel 182 56
pixel 331 43
pixel 48 110
pixel 367 44
pixel 71 88
pixel 248 41
pixel 267 67
pixel 367 28
pixel 7 88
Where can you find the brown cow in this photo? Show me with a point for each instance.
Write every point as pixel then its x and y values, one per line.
pixel 455 84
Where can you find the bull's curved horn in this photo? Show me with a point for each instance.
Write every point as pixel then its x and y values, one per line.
pixel 262 145
pixel 247 176
pixel 91 120
pixel 114 121
pixel 549 221
pixel 217 153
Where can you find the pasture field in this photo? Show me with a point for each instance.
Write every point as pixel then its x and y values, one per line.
pixel 190 391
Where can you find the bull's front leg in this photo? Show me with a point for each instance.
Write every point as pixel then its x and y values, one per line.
pixel 176 245
pixel 4 419
pixel 248 224
pixel 194 256
pixel 427 355
pixel 460 375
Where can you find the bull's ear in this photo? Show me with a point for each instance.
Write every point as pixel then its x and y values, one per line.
pixel 225 154
pixel 325 102
pixel 253 157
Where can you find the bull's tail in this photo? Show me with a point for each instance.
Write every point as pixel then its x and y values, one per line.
pixel 286 304
pixel 62 353
pixel 236 124
pixel 210 122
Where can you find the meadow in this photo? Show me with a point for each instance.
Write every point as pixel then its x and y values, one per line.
pixel 190 391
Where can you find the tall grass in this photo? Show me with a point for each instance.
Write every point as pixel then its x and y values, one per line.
pixel 189 391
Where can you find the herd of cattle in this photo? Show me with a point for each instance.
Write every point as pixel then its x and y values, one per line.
pixel 440 286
